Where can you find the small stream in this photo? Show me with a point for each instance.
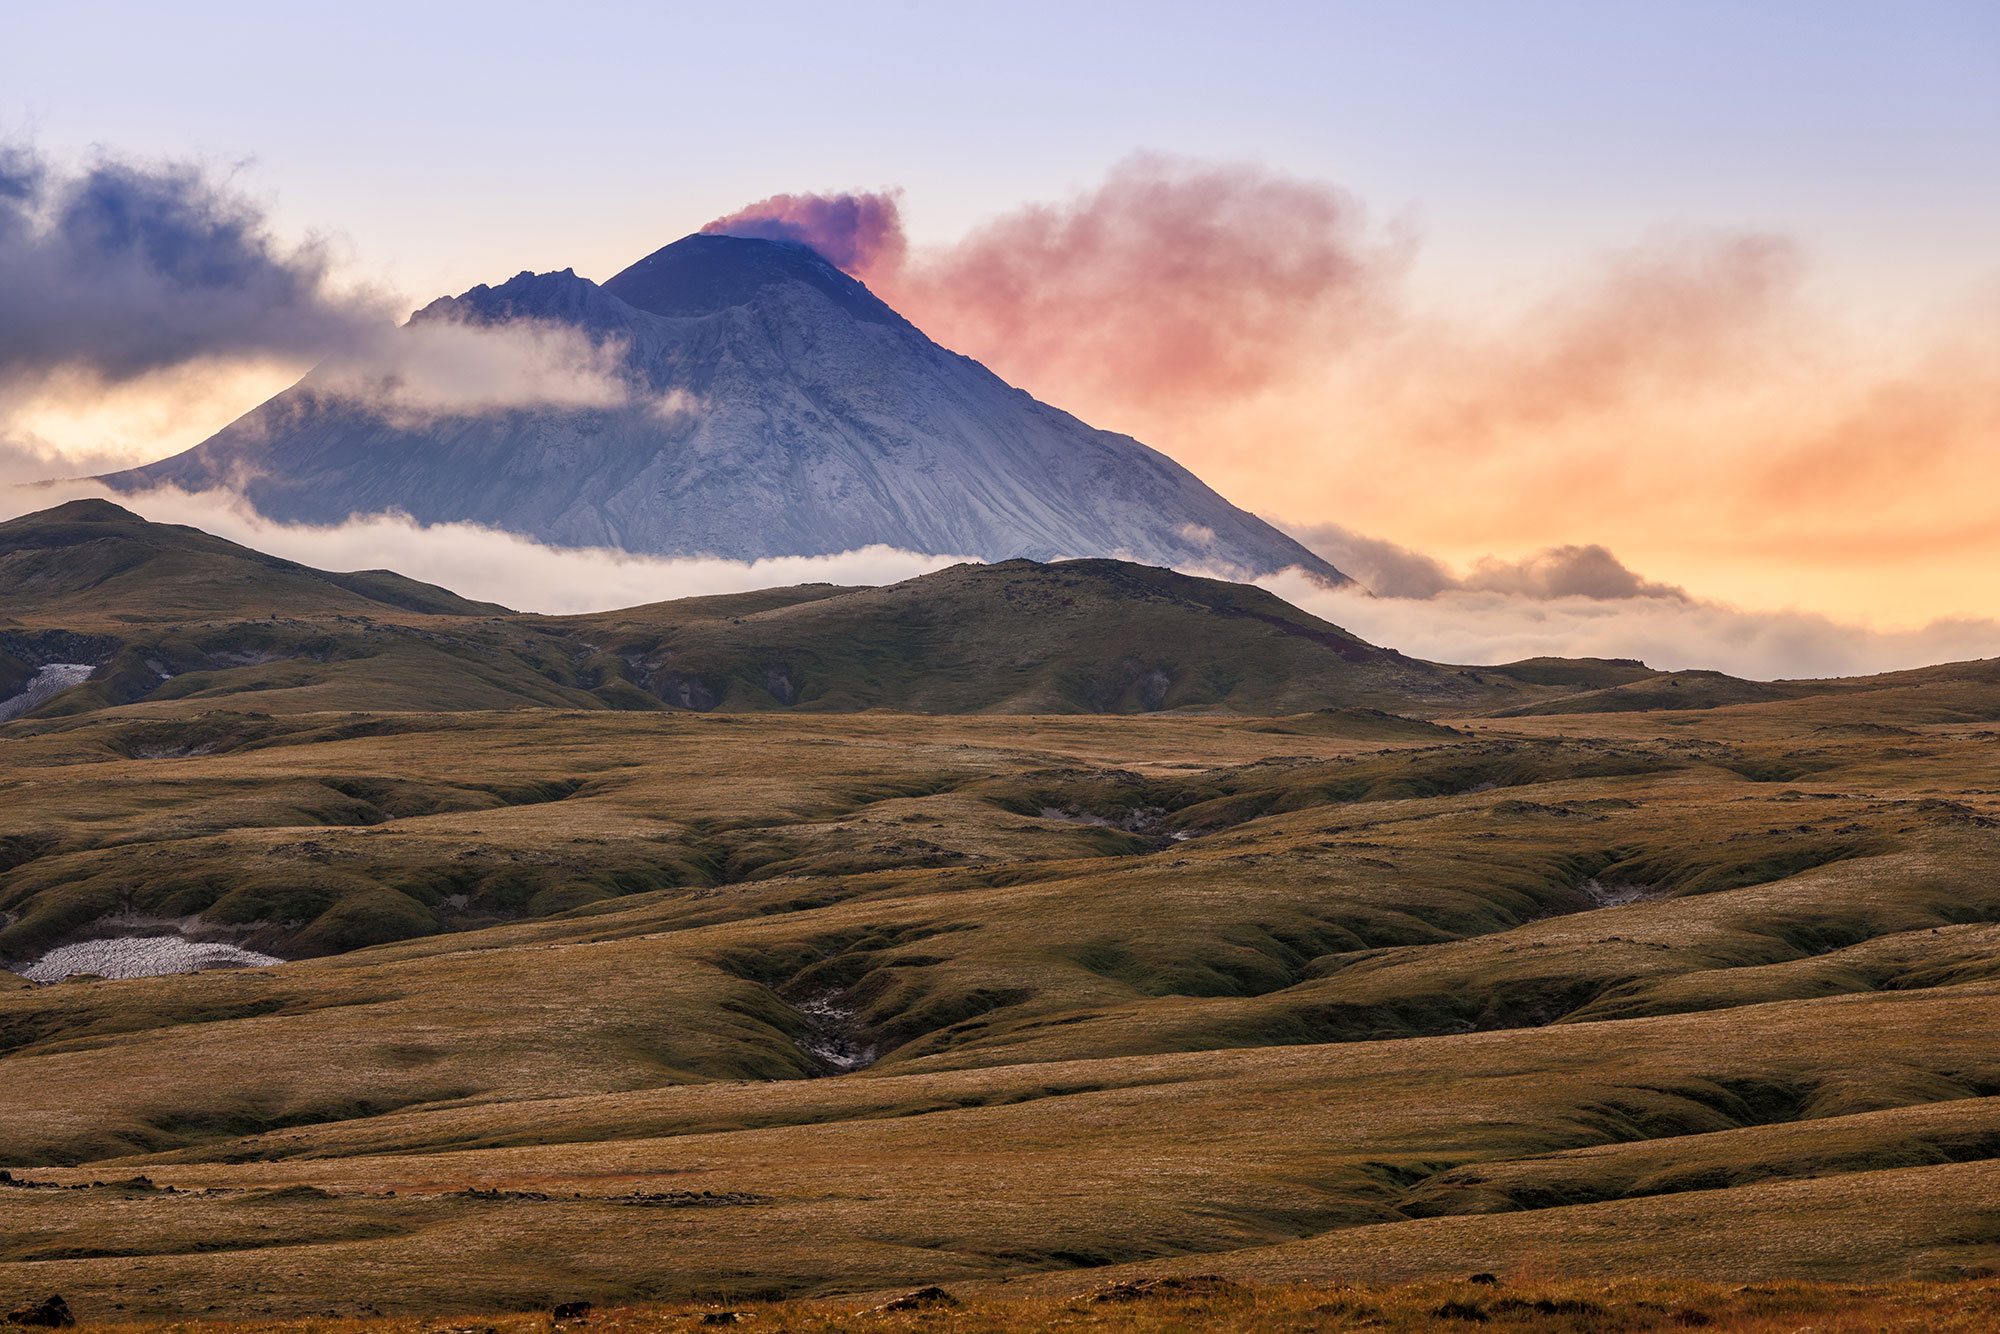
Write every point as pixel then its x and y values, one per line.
pixel 1617 896
pixel 830 1034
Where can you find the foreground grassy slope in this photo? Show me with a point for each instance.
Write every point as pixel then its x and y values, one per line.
pixel 1314 1162
pixel 314 835
pixel 924 999
pixel 317 834
pixel 691 979
pixel 1523 1300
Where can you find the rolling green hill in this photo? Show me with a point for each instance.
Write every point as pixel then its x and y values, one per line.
pixel 91 560
pixel 1667 690
pixel 1081 636
pixel 165 614
pixel 171 616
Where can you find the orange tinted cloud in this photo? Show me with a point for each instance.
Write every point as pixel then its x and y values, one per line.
pixel 1900 431
pixel 1170 284
pixel 1687 309
pixel 1690 402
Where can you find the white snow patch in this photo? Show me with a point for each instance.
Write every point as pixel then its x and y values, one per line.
pixel 46 684
pixel 141 956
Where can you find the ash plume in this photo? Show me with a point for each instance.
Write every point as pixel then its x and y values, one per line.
pixel 860 232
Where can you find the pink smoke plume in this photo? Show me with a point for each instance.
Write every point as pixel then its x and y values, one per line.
pixel 1170 283
pixel 859 233
pixel 1688 401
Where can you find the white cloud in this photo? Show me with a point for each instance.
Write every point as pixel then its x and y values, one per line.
pixel 26 457
pixel 676 405
pixel 439 368
pixel 489 565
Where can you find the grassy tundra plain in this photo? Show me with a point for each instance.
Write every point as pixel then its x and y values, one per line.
pixel 1676 1015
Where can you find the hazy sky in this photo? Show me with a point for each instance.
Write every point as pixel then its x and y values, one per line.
pixel 1714 284
pixel 453 143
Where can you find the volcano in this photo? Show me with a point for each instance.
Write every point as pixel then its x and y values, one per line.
pixel 774 407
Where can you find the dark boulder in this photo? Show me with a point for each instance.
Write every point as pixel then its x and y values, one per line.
pixel 921 1300
pixel 49 1313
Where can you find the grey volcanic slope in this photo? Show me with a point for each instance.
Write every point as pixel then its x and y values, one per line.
pixel 817 420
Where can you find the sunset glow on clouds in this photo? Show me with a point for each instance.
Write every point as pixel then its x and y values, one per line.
pixel 1689 419
pixel 1573 602
pixel 1688 402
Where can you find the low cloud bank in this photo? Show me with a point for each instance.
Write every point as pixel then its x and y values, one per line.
pixel 489 565
pixel 27 458
pixel 1677 632
pixel 1584 602
pixel 1457 623
pixel 1390 570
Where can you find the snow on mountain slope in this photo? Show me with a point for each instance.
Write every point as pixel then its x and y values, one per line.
pixel 764 404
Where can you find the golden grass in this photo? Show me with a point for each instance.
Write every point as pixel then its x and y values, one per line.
pixel 1366 1025
pixel 1518 1301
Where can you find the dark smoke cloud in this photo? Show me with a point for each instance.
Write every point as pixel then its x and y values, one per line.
pixel 1392 571
pixel 861 233
pixel 125 268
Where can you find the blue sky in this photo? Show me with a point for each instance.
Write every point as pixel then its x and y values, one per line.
pixel 1713 284
pixel 451 143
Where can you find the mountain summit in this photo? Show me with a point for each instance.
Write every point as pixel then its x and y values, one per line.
pixel 777 407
